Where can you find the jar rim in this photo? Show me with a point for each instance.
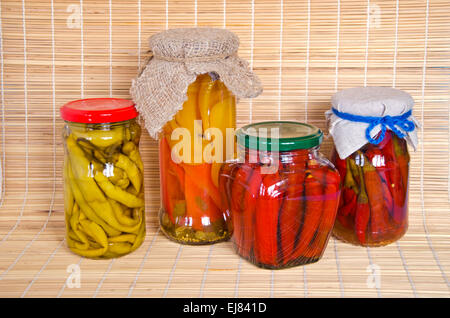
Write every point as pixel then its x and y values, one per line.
pixel 289 135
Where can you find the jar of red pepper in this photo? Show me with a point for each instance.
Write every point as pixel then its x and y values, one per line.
pixel 370 127
pixel 282 194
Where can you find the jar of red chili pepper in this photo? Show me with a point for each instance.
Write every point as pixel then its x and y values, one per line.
pixel 282 194
pixel 370 127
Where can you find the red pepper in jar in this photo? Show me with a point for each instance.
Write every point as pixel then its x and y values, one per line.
pixel 349 194
pixel 331 196
pixel 349 199
pixel 238 191
pixel 201 210
pixel 226 176
pixel 173 193
pixel 379 221
pixel 402 156
pixel 314 202
pixel 266 221
pixel 200 174
pixel 377 159
pixel 292 211
pixel 348 209
pixel 362 216
pixel 249 212
pixel 202 197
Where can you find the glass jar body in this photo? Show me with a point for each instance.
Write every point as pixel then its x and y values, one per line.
pixel 282 214
pixel 373 209
pixel 192 148
pixel 103 188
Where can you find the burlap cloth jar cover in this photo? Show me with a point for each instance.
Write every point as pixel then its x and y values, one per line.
pixel 179 55
pixel 359 114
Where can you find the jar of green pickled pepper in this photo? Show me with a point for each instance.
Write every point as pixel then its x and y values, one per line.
pixel 103 177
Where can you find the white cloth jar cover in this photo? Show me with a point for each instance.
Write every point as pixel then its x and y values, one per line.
pixel 369 103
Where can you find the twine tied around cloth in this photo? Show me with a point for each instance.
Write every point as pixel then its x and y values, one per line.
pixel 391 122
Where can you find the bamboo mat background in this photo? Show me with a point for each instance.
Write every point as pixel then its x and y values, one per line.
pixel 55 51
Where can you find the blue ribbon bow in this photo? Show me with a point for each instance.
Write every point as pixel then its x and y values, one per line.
pixel 391 122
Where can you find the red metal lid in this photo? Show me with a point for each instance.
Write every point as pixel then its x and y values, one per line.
pixel 98 110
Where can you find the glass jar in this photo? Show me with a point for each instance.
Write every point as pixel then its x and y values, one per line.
pixel 282 194
pixel 373 209
pixel 103 178
pixel 189 168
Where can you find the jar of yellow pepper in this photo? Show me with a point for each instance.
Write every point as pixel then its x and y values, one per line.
pixel 187 96
pixel 103 177
pixel 190 207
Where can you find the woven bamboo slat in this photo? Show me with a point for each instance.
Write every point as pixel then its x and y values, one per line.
pixel 55 51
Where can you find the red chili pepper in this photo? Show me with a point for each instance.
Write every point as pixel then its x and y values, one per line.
pixel 362 211
pixel 313 208
pixel 362 218
pixel 346 221
pixel 379 219
pixel 394 179
pixel 200 174
pixel 340 164
pixel 384 142
pixel 249 211
pixel 226 177
pixel 404 162
pixel 378 160
pixel 389 201
pixel 349 198
pixel 331 182
pixel 170 183
pixel 347 213
pixel 349 194
pixel 350 188
pixel 342 201
pixel 266 221
pixel 402 156
pixel 201 210
pixel 178 171
pixel 238 190
pixel 292 209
